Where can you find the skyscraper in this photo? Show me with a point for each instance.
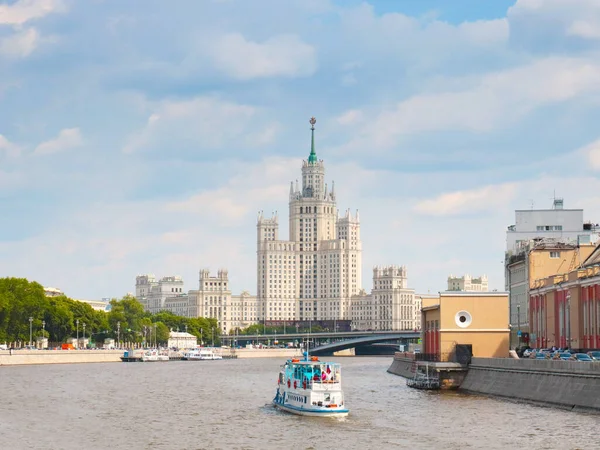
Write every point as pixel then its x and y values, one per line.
pixel 314 274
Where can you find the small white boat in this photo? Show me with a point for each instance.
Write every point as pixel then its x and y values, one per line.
pixel 153 356
pixel 310 387
pixel 424 380
pixel 202 354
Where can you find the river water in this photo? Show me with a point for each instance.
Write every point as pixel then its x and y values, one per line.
pixel 226 405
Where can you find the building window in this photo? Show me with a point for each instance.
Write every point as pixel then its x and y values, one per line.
pixel 554 254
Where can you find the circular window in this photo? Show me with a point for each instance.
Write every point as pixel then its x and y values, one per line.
pixel 463 319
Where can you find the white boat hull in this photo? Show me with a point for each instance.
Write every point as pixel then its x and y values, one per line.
pixel 317 412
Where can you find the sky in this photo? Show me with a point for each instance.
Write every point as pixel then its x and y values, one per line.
pixel 144 137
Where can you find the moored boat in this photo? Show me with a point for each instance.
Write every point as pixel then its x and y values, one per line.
pixel 424 380
pixel 153 356
pixel 310 387
pixel 202 354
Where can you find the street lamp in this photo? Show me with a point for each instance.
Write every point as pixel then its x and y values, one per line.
pixel 519 324
pixel 201 340
pixel 77 327
pixel 213 336
pixel 569 320
pixel 118 334
pixel 30 330
pixel 43 328
pixel 155 336
pixel 83 334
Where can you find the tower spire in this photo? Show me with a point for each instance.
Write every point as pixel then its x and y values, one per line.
pixel 313 156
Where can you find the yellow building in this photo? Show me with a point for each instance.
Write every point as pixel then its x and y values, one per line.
pixel 458 325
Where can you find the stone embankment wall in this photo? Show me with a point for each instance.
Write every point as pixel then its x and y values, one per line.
pixel 402 365
pixel 23 357
pixel 566 384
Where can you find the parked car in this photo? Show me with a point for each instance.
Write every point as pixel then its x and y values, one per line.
pixel 565 356
pixel 581 357
pixel 527 352
pixel 595 355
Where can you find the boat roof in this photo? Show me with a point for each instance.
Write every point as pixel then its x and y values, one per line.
pixel 312 360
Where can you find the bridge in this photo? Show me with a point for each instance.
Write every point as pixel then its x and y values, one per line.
pixel 322 341
pixel 329 349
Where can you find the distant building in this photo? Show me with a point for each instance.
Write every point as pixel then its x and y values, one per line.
pixel 533 260
pixel 212 299
pixel 180 339
pixel 95 304
pixel 391 304
pixel 53 292
pixel 314 274
pixel 561 239
pixel 564 225
pixel 468 283
pixel 154 294
pixel 458 325
pixel 564 309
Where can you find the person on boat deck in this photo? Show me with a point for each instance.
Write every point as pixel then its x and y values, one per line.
pixel 317 376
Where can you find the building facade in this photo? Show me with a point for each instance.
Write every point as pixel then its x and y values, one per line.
pixel 533 260
pixel 468 283
pixel 212 299
pixel 458 325
pixel 564 309
pixel 314 274
pixel 181 339
pixel 391 305
pixel 153 294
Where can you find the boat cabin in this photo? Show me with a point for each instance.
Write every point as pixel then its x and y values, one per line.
pixel 310 374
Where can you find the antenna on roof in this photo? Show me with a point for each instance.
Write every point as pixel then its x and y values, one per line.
pixel 531 203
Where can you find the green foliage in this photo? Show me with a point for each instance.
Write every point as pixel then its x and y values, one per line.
pixel 21 299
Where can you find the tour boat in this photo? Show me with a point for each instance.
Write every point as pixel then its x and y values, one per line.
pixel 309 387
pixel 202 354
pixel 153 356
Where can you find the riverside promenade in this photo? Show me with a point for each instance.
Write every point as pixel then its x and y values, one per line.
pixel 25 357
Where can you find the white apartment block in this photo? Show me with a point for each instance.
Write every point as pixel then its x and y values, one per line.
pixel 391 304
pixel 213 299
pixel 154 294
pixel 468 283
pixel 563 225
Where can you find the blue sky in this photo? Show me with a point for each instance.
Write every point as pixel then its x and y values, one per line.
pixel 142 137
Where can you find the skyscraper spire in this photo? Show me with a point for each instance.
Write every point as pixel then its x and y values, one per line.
pixel 313 156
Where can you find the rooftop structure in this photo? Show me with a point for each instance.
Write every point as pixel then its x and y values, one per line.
pixel 565 225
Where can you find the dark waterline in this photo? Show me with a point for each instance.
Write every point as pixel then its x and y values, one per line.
pixel 226 405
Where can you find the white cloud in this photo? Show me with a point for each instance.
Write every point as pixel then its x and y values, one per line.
pixel 585 29
pixel 349 79
pixel 554 24
pixel 25 10
pixel 67 138
pixel 20 44
pixel 492 102
pixel 592 151
pixel 468 201
pixel 350 117
pixel 283 55
pixel 208 122
pixel 8 148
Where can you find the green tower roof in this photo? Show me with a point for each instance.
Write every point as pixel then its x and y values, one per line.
pixel 312 158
